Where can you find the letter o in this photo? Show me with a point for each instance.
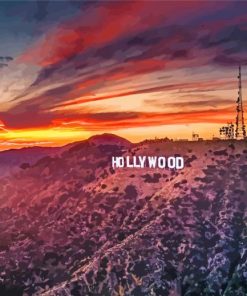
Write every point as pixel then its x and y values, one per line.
pixel 121 162
pixel 171 162
pixel 161 162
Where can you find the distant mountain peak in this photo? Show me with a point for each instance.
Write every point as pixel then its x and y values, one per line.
pixel 108 139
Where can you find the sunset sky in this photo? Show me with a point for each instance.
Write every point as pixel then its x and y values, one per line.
pixel 72 69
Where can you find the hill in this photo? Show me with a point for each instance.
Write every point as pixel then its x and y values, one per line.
pixel 71 225
pixel 10 160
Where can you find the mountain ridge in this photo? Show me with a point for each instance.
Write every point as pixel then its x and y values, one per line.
pixel 12 159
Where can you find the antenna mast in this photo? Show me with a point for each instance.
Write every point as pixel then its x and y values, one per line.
pixel 240 132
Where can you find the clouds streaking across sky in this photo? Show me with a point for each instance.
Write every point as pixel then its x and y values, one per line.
pixel 139 69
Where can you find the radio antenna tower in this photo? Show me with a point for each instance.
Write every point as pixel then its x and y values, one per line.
pixel 240 132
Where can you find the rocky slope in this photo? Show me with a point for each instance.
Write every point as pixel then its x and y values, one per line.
pixel 71 225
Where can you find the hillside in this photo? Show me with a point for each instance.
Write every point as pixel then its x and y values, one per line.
pixel 10 160
pixel 71 225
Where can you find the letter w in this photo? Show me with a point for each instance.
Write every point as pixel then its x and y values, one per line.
pixel 152 161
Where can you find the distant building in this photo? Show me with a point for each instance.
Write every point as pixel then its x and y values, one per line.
pixel 195 136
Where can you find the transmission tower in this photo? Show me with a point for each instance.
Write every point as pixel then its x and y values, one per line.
pixel 240 132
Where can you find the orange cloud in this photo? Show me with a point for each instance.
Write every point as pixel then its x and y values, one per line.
pixel 121 120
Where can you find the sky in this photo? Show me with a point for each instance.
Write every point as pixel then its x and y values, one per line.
pixel 138 69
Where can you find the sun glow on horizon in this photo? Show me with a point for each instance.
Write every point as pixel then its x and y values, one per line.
pixel 59 136
pixel 40 137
